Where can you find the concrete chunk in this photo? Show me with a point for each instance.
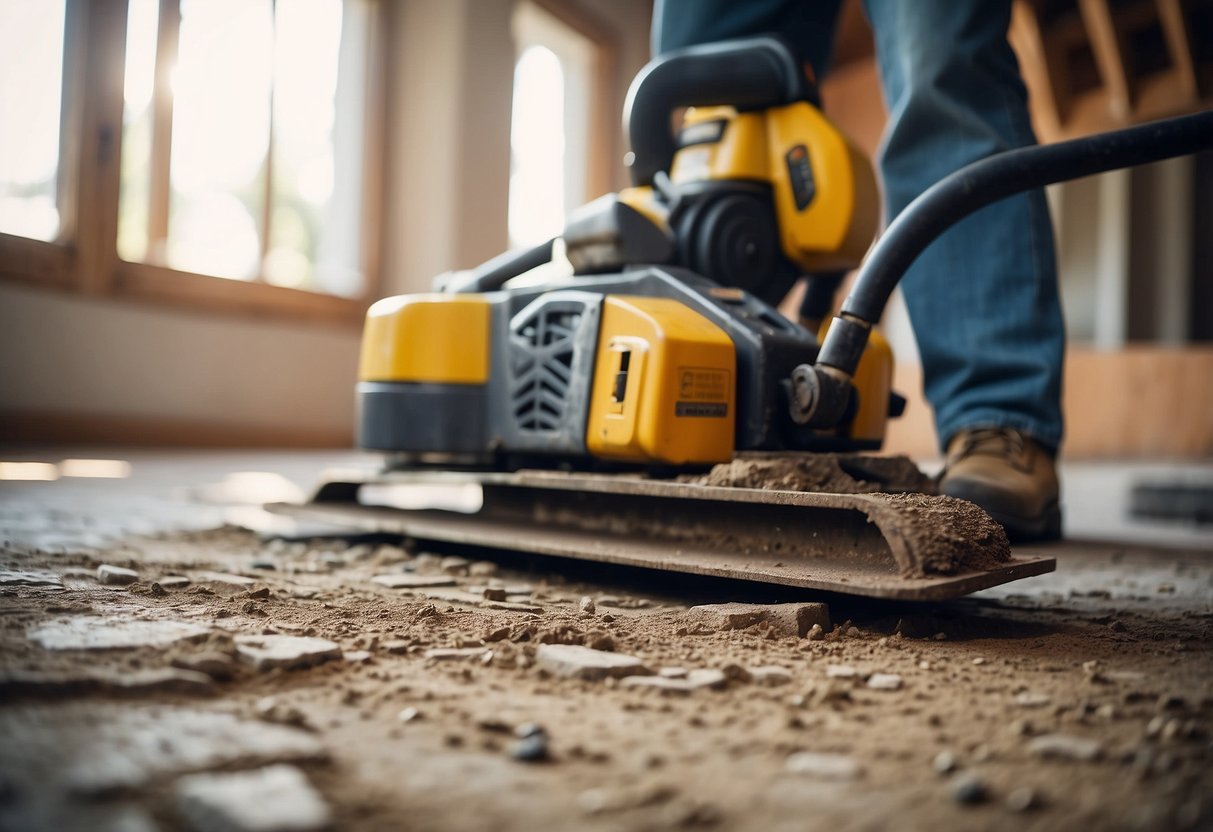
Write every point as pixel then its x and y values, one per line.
pixel 585 663
pixel 785 619
pixel 94 632
pixel 838 767
pixel 96 747
pixel 116 575
pixel 273 799
pixel 701 679
pixel 455 653
pixel 265 652
pixel 884 681
pixel 1065 747
pixel 404 580
pixel 29 577
pixel 770 675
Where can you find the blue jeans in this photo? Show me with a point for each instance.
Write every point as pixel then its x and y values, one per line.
pixel 982 298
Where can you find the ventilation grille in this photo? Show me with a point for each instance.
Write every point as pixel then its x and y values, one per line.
pixel 541 362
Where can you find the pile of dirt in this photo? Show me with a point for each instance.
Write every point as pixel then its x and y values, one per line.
pixel 948 535
pixel 827 473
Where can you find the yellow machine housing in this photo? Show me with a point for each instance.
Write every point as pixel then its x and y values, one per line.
pixel 663 385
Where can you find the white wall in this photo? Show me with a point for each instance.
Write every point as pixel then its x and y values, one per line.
pixel 72 354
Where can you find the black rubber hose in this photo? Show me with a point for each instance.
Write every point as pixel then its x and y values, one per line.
pixel 494 273
pixel 989 180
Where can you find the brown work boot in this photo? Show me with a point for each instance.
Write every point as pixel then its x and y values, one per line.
pixel 1010 476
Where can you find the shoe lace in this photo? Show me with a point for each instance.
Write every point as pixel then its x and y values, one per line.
pixel 1000 442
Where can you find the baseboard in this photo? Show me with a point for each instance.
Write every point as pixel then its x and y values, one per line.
pixel 20 427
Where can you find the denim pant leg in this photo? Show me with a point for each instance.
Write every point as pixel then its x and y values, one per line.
pixel 983 298
pixel 807 25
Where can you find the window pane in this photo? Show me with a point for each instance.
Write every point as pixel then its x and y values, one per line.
pixel 221 133
pixel 549 136
pixel 319 80
pixel 260 176
pixel 138 89
pixel 537 206
pixel 31 81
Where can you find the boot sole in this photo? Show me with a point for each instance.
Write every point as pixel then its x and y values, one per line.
pixel 1039 528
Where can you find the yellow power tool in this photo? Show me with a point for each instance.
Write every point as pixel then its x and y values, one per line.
pixel 664 348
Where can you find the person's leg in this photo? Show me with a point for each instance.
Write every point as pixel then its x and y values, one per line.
pixel 983 298
pixel 807 25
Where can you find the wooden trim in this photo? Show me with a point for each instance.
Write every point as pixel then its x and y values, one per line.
pixel 71 115
pixel 218 294
pixel 1175 31
pixel 1109 56
pixel 99 172
pixel 372 240
pixel 34 261
pixel 168 37
pixel 22 427
pixel 603 139
pixel 1025 35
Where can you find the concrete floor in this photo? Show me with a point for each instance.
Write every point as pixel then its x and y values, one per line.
pixel 106 724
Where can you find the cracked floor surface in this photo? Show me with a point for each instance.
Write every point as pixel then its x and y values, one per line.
pixel 228 665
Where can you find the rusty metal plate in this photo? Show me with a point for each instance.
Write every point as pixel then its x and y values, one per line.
pixel 849 543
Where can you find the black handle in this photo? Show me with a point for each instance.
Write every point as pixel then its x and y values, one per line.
pixel 749 74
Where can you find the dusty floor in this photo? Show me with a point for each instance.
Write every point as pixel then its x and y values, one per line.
pixel 1078 700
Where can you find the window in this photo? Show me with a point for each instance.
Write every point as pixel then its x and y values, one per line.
pixel 558 114
pixel 31 79
pixel 250 135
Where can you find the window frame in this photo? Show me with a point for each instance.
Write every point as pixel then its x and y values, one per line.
pixel 84 256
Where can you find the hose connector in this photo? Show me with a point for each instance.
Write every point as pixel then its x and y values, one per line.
pixel 819 396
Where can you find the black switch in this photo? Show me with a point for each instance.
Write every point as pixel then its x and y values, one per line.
pixel 621 377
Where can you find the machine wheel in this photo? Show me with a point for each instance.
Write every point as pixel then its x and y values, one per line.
pixel 733 240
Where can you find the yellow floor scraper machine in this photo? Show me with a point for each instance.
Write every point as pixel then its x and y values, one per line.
pixel 653 408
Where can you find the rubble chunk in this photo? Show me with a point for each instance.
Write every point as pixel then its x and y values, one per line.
pixel 884 681
pixel 94 632
pixel 699 679
pixel 585 663
pixel 771 675
pixel 116 575
pixel 407 580
pixel 454 653
pixel 269 651
pixel 1027 699
pixel 1065 747
pixel 276 798
pixel 784 619
pixel 821 766
pixel 29 577
pixel 968 789
pixel 226 578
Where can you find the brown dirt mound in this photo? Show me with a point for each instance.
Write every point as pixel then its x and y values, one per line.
pixel 950 535
pixel 829 473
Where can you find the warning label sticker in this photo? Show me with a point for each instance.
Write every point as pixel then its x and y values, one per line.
pixel 717 410
pixel 703 392
pixel 703 384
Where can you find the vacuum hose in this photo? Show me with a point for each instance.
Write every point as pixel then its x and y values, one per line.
pixel 946 203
